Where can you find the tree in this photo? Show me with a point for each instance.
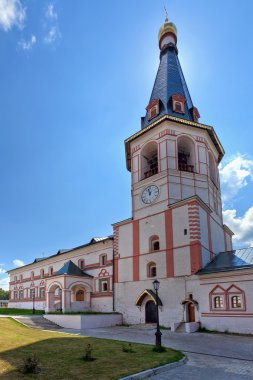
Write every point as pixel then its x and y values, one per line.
pixel 4 294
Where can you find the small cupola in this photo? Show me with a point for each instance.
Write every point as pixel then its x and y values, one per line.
pixel 167 34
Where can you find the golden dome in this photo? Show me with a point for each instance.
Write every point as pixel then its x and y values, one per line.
pixel 167 27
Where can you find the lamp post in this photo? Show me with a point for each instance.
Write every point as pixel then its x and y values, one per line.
pixel 33 296
pixel 158 334
pixel 60 294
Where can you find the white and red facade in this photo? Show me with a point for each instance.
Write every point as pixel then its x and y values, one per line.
pixel 171 236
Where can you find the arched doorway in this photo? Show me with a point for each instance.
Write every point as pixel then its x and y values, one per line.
pixel 191 312
pixel 54 298
pixel 80 295
pixel 150 312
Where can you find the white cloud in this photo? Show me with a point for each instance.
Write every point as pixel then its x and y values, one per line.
pixel 4 283
pixel 27 45
pixel 18 263
pixel 52 35
pixel 51 12
pixel 2 271
pixel 235 175
pixel 241 226
pixel 12 13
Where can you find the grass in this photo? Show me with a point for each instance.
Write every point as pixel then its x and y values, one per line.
pixel 11 311
pixel 60 355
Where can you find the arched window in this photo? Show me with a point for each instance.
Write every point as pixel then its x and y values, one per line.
pixel 50 271
pixel 236 302
pixel 178 107
pixel 151 269
pixel 186 154
pixel 32 275
pixel 149 160
pixel 236 298
pixel 218 302
pixel 42 273
pixel 154 243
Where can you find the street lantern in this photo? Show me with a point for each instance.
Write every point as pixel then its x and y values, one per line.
pixel 156 285
pixel 158 334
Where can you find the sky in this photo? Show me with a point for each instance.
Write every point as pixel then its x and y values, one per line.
pixel 75 78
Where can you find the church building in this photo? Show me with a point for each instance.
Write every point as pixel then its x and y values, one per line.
pixel 175 234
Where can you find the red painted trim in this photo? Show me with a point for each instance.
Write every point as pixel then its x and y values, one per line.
pixel 249 315
pixel 195 254
pixel 100 295
pixel 210 235
pixel 116 270
pixel 169 243
pixel 136 250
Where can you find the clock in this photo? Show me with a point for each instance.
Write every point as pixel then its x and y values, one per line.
pixel 150 194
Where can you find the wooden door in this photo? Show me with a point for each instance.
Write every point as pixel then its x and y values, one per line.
pixel 191 312
pixel 80 295
pixel 150 311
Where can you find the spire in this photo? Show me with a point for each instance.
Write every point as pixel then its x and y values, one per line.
pixel 170 94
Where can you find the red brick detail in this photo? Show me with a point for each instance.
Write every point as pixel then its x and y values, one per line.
pixel 136 250
pixel 116 241
pixel 194 221
pixel 169 243
pixel 116 254
pixel 195 237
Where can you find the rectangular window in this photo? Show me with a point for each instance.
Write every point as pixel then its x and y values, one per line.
pixel 21 294
pixel 103 259
pixel 32 293
pixel 15 295
pixel 103 285
pixel 42 293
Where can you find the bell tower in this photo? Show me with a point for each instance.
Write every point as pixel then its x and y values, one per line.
pixel 176 226
pixel 173 152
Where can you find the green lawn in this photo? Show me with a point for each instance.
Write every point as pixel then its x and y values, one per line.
pixel 60 355
pixel 10 311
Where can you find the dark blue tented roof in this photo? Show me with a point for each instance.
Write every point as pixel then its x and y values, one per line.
pixel 71 269
pixel 230 261
pixel 170 81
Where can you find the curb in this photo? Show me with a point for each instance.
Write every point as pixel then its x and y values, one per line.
pixel 154 371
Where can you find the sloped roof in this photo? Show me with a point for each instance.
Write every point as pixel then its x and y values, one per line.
pixel 151 294
pixel 62 251
pixel 170 81
pixel 230 261
pixel 71 269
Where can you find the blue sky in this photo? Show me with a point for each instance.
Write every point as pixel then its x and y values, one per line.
pixel 75 80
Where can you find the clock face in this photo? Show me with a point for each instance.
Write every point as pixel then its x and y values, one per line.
pixel 150 194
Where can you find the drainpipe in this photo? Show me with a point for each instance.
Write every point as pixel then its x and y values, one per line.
pixel 113 288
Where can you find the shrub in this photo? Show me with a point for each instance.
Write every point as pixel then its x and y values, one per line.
pixel 128 348
pixel 30 365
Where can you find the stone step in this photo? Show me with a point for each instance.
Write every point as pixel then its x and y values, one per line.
pixel 38 323
pixel 181 328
